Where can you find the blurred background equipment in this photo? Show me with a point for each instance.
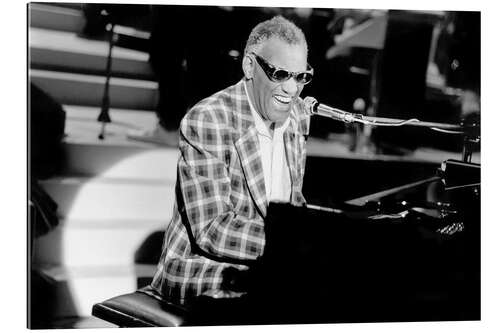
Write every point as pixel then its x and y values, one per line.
pixel 414 70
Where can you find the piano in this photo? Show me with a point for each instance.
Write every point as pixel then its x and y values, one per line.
pixel 389 256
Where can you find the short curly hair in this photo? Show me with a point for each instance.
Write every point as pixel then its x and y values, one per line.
pixel 276 27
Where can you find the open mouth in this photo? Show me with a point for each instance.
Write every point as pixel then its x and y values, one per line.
pixel 283 99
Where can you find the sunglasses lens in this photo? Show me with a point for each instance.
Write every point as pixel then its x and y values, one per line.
pixel 281 75
pixel 304 78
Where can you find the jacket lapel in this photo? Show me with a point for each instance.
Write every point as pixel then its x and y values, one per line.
pixel 247 146
pixel 298 126
pixel 289 138
pixel 249 154
pixel 291 155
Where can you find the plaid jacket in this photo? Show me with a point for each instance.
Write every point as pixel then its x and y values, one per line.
pixel 218 218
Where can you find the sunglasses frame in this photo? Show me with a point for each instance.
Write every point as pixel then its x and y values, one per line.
pixel 271 70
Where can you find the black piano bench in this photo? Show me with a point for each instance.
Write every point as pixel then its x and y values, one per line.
pixel 138 309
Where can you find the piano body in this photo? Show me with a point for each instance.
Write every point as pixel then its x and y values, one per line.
pixel 411 253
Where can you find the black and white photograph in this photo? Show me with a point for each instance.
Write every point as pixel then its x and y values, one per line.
pixel 204 165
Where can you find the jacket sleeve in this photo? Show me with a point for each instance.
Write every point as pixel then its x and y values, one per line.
pixel 205 185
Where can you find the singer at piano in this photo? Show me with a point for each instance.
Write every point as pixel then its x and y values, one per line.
pixel 241 149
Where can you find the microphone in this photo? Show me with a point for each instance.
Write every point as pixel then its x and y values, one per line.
pixel 313 107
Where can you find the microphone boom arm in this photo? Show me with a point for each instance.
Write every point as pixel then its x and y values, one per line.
pixel 313 107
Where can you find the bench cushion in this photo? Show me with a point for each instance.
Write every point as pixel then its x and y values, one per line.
pixel 138 309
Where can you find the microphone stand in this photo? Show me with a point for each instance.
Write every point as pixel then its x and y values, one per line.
pixel 470 127
pixel 380 121
pixel 104 117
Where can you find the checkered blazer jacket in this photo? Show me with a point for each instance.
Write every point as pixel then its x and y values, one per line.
pixel 218 217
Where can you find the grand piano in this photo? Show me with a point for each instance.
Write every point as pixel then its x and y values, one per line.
pixel 409 253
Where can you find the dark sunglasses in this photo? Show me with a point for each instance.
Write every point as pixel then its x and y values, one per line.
pixel 277 74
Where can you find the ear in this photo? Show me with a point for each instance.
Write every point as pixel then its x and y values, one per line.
pixel 248 66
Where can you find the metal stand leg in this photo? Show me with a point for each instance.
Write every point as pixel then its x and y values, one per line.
pixel 104 117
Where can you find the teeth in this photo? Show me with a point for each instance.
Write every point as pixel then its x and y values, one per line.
pixel 283 99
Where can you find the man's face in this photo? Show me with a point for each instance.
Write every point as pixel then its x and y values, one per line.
pixel 273 100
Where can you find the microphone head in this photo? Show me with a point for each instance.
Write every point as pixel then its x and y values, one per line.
pixel 311 105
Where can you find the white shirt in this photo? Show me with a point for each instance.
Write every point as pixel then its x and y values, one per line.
pixel 273 156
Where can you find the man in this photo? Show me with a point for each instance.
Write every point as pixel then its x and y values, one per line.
pixel 240 149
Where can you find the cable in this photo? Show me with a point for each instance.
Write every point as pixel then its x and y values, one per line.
pixel 376 123
pixel 445 131
pixel 401 123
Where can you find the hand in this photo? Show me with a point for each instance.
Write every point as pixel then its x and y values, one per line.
pixel 222 294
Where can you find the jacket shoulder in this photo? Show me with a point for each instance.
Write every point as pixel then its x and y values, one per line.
pixel 215 109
